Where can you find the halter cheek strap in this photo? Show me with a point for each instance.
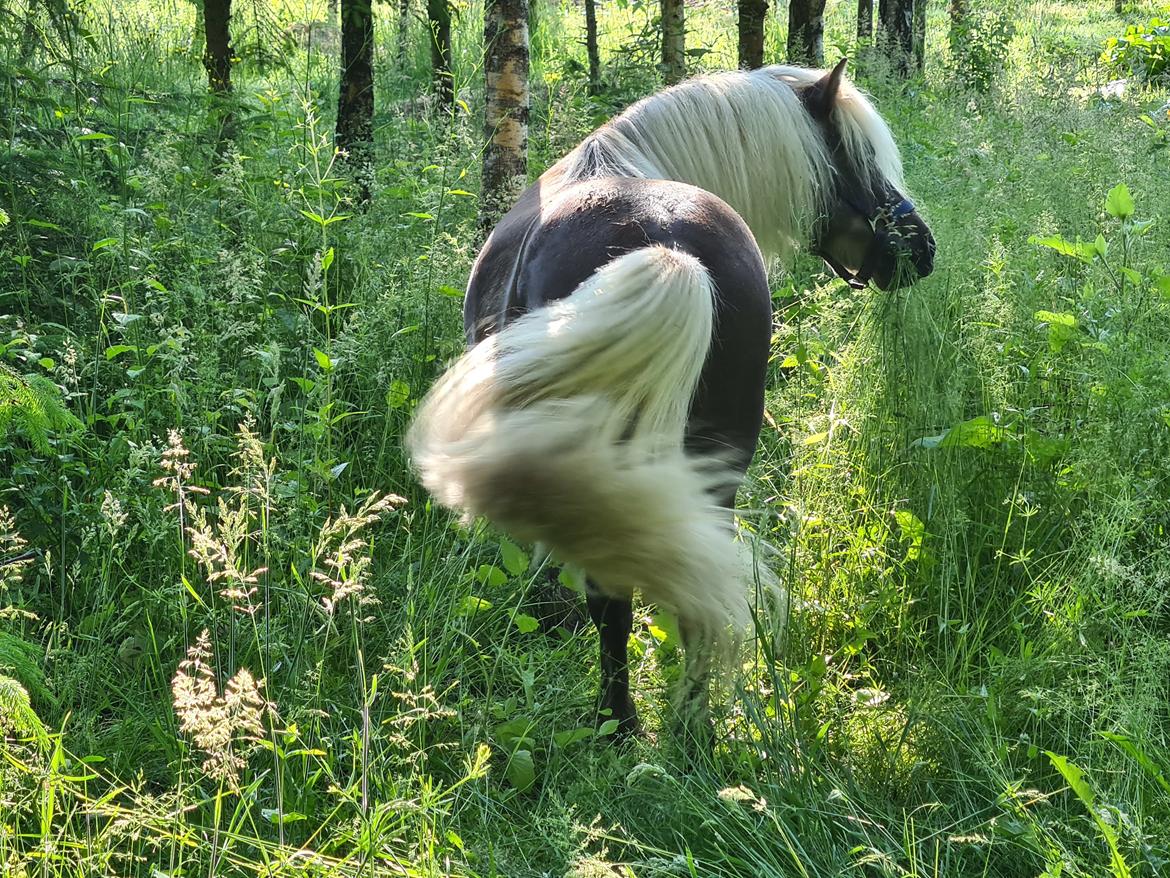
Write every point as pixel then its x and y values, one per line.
pixel 877 248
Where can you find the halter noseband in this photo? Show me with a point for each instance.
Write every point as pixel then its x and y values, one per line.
pixel 881 223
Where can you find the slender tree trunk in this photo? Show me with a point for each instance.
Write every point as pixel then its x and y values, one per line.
pixel 505 160
pixel 355 105
pixel 918 41
pixel 806 32
pixel 864 20
pixel 403 44
pixel 217 56
pixel 752 14
pixel 591 47
pixel 674 57
pixel 439 19
pixel 896 34
pixel 199 34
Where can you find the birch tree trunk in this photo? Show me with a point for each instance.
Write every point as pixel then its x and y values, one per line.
pixel 505 160
pixel 674 57
pixel 355 105
pixel 896 25
pixel 806 32
pixel 752 14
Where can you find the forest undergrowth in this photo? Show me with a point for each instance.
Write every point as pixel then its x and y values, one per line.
pixel 237 639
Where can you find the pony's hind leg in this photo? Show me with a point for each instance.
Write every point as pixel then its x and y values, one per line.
pixel 614 619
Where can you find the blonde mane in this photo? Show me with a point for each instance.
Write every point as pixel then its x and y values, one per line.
pixel 746 137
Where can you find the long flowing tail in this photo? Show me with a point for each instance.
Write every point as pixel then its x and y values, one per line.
pixel 567 428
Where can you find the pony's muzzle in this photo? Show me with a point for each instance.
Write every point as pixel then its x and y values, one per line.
pixel 910 250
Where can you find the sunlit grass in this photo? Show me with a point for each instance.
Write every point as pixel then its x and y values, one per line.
pixel 960 610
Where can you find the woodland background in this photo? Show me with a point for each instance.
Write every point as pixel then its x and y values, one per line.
pixel 236 638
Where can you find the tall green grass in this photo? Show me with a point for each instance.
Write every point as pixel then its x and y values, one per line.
pixel 966 481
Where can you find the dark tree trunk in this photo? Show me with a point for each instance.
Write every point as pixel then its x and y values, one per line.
pixel 505 159
pixel 591 47
pixel 439 19
pixel 752 14
pixel 674 56
pixel 217 55
pixel 355 105
pixel 864 20
pixel 806 32
pixel 1117 6
pixel 896 25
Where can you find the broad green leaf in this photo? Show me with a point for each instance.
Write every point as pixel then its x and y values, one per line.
pixel 327 259
pixel 398 395
pixel 1079 250
pixel 515 560
pixel 1075 778
pixel 95 135
pixel 323 360
pixel 116 349
pixel 471 605
pixel 276 818
pixel 521 770
pixel 607 728
pixel 1119 202
pixel 572 736
pixel 489 574
pixel 103 243
pixel 1162 286
pixel 448 290
pixel 1061 327
pixel 526 624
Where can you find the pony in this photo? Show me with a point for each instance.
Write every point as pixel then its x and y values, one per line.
pixel 619 322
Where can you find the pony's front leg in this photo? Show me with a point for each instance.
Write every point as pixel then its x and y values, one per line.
pixel 614 619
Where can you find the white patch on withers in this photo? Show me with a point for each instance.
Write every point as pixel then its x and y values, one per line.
pixel 567 427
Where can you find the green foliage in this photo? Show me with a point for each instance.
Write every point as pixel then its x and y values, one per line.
pixel 30 405
pixel 980 42
pixel 1142 51
pixel 966 482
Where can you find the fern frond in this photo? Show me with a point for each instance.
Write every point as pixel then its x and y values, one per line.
pixel 31 404
pixel 17 714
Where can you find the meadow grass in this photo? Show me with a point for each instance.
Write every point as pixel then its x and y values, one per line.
pixel 966 482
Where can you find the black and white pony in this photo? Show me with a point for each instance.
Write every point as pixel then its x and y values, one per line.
pixel 619 319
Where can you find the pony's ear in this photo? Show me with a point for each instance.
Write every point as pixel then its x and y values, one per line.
pixel 823 93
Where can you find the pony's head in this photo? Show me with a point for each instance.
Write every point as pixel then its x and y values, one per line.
pixel 869 229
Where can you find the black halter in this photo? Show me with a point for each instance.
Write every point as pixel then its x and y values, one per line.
pixel 886 218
